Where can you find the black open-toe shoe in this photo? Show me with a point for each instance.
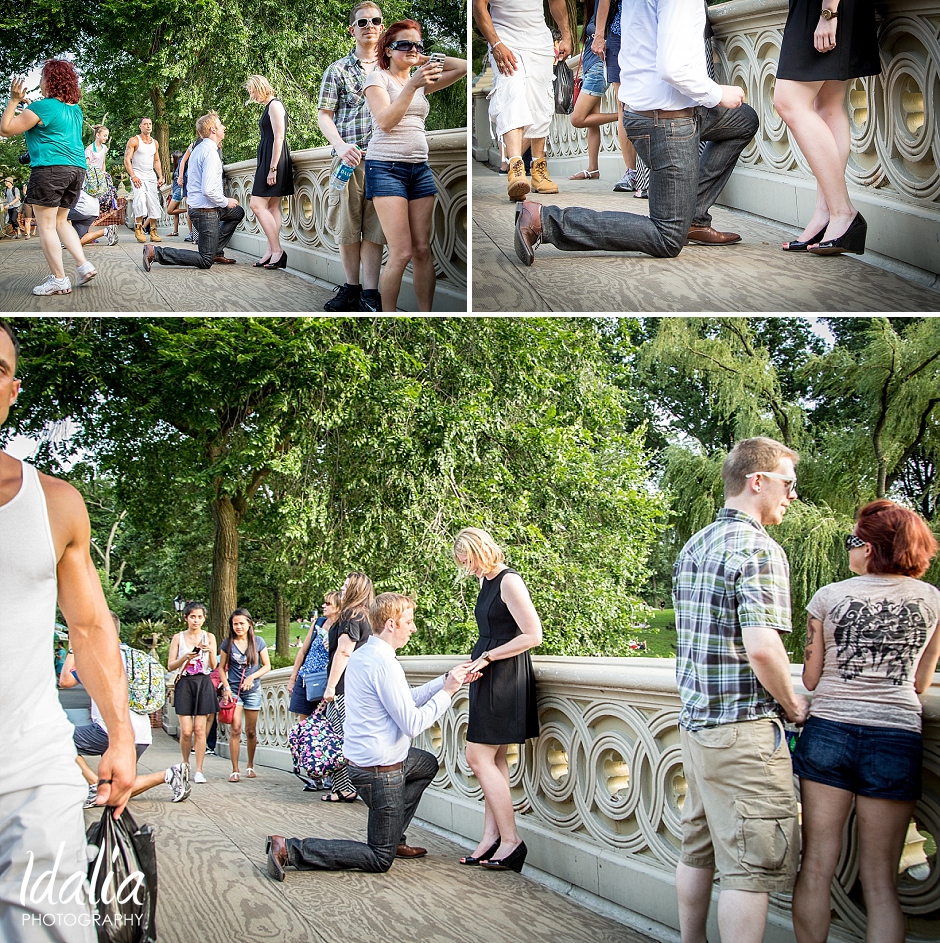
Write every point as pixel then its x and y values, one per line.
pixel 796 246
pixel 469 859
pixel 852 240
pixel 261 263
pixel 512 862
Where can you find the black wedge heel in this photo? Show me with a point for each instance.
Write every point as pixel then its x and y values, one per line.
pixel 852 240
pixel 512 862
pixel 486 854
pixel 797 246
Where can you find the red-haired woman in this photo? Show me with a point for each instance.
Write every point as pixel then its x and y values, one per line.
pixel 872 644
pixel 398 177
pixel 53 130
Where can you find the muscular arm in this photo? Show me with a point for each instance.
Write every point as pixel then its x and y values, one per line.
pixel 128 155
pixel 157 168
pixel 559 11
pixel 813 654
pixel 93 638
pixel 769 661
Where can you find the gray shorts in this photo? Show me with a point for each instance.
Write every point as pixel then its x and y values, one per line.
pixel 92 740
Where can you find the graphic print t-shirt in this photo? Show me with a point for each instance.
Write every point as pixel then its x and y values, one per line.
pixel 875 629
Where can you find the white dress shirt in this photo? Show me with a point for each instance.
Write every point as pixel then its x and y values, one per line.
pixel 662 57
pixel 204 181
pixel 382 712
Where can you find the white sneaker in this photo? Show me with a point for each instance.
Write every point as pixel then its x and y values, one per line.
pixel 199 778
pixel 112 235
pixel 85 273
pixel 179 782
pixel 54 286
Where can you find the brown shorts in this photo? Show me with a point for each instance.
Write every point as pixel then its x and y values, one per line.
pixel 350 217
pixel 740 813
pixel 56 185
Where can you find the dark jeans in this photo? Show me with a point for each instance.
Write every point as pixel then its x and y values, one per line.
pixel 392 799
pixel 215 228
pixel 683 186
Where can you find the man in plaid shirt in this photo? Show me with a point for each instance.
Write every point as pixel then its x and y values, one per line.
pixel 732 599
pixel 346 122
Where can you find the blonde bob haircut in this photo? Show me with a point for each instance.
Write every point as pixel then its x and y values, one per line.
pixel 388 606
pixel 259 86
pixel 479 548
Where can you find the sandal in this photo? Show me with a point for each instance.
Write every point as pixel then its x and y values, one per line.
pixel 340 797
pixel 586 175
pixel 250 773
pixel 234 778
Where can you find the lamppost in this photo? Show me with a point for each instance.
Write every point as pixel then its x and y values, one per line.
pixel 179 604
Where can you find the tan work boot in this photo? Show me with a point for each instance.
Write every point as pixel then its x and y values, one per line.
pixel 516 184
pixel 154 235
pixel 541 182
pixel 139 233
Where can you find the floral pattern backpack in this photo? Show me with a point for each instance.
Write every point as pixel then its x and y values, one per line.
pixel 315 746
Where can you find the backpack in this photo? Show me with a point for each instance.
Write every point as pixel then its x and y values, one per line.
pixel 315 746
pixel 146 681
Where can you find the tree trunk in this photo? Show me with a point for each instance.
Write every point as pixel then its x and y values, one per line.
pixel 161 129
pixel 224 596
pixel 282 609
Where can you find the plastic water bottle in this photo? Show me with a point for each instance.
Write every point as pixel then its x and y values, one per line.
pixel 339 179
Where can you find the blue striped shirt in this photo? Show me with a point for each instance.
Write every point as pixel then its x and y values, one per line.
pixel 730 576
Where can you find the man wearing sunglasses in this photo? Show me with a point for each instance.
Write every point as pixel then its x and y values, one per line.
pixel 345 120
pixel 731 588
pixel 522 101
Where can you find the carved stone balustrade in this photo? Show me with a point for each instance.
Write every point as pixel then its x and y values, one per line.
pixel 599 794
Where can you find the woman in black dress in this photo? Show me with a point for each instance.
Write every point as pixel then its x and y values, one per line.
pixel 274 177
pixel 826 43
pixel 502 703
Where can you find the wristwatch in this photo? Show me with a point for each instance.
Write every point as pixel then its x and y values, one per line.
pixel 828 14
pixel 486 657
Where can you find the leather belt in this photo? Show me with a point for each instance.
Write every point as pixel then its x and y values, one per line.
pixel 658 113
pixel 378 769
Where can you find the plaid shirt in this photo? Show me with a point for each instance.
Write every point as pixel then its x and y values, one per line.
pixel 730 576
pixel 342 93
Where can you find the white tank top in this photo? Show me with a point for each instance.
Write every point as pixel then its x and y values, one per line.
pixel 142 161
pixel 35 736
pixel 521 24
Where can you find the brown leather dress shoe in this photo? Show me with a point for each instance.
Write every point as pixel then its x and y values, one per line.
pixel 528 235
pixel 712 237
pixel 149 254
pixel 407 851
pixel 223 260
pixel 277 856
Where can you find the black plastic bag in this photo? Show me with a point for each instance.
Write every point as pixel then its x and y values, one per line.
pixel 564 88
pixel 123 878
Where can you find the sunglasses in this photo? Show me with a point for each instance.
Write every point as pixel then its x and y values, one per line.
pixel 363 22
pixel 789 482
pixel 851 542
pixel 406 45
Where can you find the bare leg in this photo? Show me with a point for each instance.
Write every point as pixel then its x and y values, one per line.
pixel 235 737
pixel 186 736
pixel 147 781
pixel 251 735
pixel 68 236
pixel 199 731
pixel 394 217
pixel 422 265
pixel 825 810
pixel 742 916
pixel 267 210
pixel 92 235
pixel 46 221
pixel 694 888
pixel 800 105
pixel 494 781
pixel 370 256
pixel 349 255
pixel 512 141
pixel 538 147
pixel 882 828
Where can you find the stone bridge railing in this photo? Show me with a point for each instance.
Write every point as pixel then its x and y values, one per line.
pixel 599 794
pixel 310 245
pixel 894 169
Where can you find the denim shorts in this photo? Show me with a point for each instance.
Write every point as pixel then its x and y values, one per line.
pixel 299 704
pixel 875 762
pixel 177 193
pixel 399 178
pixel 251 700
pixel 594 79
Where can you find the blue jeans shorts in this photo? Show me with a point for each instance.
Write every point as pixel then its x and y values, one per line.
pixel 593 71
pixel 399 178
pixel 251 700
pixel 177 193
pixel 875 762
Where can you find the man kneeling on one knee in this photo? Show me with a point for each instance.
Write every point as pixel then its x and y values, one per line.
pixel 670 106
pixel 382 715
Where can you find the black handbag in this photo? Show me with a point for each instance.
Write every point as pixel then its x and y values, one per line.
pixel 564 89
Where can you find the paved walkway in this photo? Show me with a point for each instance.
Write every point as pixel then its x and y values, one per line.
pixel 213 884
pixel 754 275
pixel 122 286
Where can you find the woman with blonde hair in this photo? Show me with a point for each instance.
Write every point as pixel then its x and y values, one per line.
pixel 350 631
pixel 503 708
pixel 274 176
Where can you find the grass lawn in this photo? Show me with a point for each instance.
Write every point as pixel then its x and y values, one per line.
pixel 660 637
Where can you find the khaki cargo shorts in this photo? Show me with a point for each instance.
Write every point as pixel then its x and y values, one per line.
pixel 740 813
pixel 349 215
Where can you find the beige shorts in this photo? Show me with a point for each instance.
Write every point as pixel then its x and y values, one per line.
pixel 740 813
pixel 349 215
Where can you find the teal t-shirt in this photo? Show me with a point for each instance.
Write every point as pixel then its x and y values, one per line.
pixel 57 139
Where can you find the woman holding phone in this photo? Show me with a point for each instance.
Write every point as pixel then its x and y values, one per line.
pixel 193 652
pixel 399 180
pixel 502 703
